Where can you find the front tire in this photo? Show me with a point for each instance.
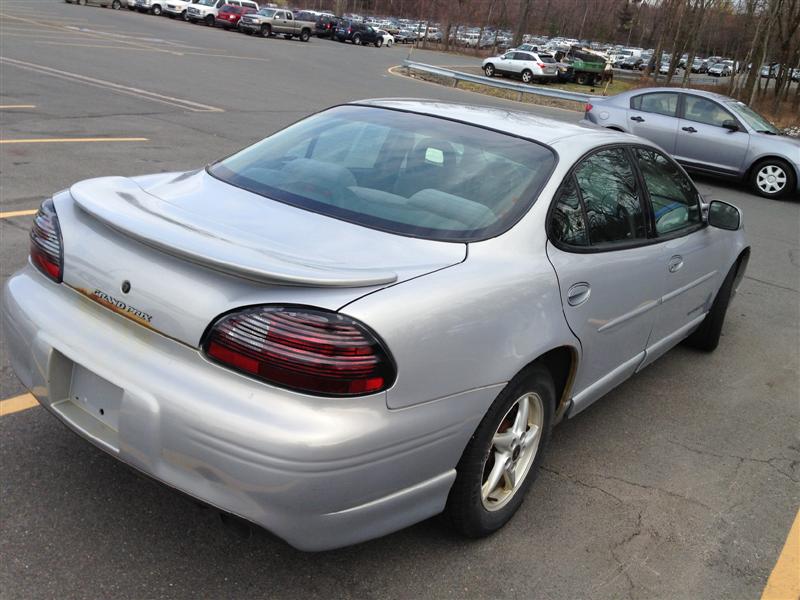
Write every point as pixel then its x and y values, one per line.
pixel 157 10
pixel 489 70
pixel 265 31
pixel 503 456
pixel 773 178
pixel 116 4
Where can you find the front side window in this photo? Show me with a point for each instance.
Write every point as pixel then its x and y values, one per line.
pixel 400 172
pixel 703 110
pixel 611 198
pixel 675 201
pixel 662 103
pixel 267 12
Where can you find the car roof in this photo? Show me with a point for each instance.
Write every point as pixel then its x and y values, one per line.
pixel 514 122
pixel 703 93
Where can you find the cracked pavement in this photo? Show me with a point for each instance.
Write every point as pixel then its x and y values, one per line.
pixel 681 483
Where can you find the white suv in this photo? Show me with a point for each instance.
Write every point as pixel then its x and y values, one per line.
pixel 527 65
pixel 207 10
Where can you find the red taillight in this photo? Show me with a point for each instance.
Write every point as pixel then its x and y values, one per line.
pixel 46 245
pixel 304 349
pixel 541 65
pixel 588 107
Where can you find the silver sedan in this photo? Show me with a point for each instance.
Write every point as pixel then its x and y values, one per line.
pixel 373 316
pixel 707 133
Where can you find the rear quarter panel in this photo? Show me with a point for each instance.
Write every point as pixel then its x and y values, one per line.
pixel 475 324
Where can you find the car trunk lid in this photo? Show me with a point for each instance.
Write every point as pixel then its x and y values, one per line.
pixel 189 247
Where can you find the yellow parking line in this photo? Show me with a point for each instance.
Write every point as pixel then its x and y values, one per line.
pixel 10 106
pixel 68 140
pixel 18 213
pixel 784 582
pixel 16 404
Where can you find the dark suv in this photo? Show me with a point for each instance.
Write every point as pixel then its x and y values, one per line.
pixel 326 27
pixel 358 33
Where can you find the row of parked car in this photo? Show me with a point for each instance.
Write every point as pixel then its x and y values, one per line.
pixel 248 17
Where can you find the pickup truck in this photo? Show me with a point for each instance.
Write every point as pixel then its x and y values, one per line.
pixel 276 21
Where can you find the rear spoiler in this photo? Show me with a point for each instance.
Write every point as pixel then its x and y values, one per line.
pixel 121 204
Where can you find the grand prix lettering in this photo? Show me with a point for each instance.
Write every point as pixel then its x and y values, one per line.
pixel 121 306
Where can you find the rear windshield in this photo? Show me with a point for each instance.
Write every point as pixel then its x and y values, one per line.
pixel 400 172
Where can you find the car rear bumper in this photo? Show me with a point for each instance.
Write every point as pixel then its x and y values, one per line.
pixel 318 472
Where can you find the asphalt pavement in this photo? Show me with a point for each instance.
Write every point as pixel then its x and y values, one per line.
pixel 681 483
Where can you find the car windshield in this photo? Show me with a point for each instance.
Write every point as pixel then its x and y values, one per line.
pixel 267 12
pixel 207 2
pixel 752 118
pixel 396 171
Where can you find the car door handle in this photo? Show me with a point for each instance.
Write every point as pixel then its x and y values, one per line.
pixel 637 119
pixel 578 294
pixel 675 264
pixel 689 129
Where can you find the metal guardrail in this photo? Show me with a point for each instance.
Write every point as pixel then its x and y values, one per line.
pixel 521 88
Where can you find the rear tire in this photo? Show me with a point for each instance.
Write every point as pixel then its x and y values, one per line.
pixel 305 35
pixel 475 506
pixel 527 76
pixel 116 5
pixel 210 20
pixel 581 79
pixel 706 337
pixel 773 178
pixel 378 42
pixel 156 10
pixel 357 40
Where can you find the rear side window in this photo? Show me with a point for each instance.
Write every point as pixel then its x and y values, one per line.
pixel 675 201
pixel 568 221
pixel 611 198
pixel 600 204
pixel 659 103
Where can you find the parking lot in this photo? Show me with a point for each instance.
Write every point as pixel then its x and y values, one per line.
pixel 683 483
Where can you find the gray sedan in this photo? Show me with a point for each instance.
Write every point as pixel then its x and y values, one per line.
pixel 707 133
pixel 370 317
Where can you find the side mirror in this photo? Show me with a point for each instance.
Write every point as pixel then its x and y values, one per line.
pixel 724 216
pixel 730 124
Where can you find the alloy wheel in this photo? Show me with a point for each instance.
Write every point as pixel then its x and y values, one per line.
pixel 514 447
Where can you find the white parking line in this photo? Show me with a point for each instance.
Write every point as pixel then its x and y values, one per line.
pixel 109 85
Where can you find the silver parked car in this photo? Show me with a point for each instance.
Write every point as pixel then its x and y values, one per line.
pixel 528 66
pixel 707 133
pixel 370 317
